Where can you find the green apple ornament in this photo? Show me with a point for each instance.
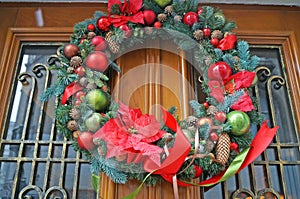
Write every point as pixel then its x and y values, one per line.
pixel 239 122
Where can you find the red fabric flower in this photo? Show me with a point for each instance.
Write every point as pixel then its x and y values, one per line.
pixel 216 90
pixel 131 132
pixel 242 79
pixel 244 103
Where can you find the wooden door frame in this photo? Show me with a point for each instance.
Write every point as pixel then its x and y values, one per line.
pixel 16 36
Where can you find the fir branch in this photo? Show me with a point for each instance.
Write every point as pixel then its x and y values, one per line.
pixel 229 100
pixel 206 16
pixel 218 55
pixel 182 7
pixel 229 59
pixel 199 109
pixel 229 26
pixel 151 5
pixel 108 166
pixel 243 140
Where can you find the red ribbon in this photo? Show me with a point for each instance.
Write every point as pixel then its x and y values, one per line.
pixel 70 90
pixel 178 153
pixel 227 43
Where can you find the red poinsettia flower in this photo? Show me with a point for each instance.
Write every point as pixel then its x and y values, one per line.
pixel 242 79
pixel 131 132
pixel 244 103
pixel 216 90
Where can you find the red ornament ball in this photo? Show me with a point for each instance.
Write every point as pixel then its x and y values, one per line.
pixel 198 171
pixel 79 95
pixel 103 24
pixel 190 18
pixel 214 136
pixel 97 61
pixel 126 29
pixel 206 32
pixel 234 146
pixel 80 71
pixel 220 116
pixel 205 104
pixel 204 120
pixel 214 42
pixel 199 10
pixel 91 27
pixel 99 43
pixel 157 25
pixel 85 141
pixel 71 50
pixel 219 71
pixel 149 17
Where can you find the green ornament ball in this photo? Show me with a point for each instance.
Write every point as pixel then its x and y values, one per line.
pixel 163 3
pixel 239 122
pixel 97 99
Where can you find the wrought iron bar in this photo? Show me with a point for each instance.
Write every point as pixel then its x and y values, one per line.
pixel 23 79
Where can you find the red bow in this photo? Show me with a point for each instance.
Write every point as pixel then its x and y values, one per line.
pixel 130 10
pixel 227 43
pixel 70 90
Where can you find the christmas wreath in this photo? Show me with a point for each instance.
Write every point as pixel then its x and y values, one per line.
pixel 214 143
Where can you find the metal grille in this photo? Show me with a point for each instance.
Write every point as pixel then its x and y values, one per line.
pixel 35 161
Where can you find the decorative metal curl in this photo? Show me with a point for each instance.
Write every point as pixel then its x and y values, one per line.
pixel 53 59
pixel 279 82
pixel 265 72
pixel 36 69
pixel 23 78
pixel 242 190
pixel 262 192
pixel 56 188
pixel 30 188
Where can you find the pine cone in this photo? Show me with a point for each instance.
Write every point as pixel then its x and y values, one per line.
pixel 177 18
pixel 74 114
pixel 217 34
pixel 198 34
pixel 91 86
pixel 75 61
pixel 211 110
pixel 161 17
pixel 91 35
pixel 223 148
pixel 191 122
pixel 148 30
pixel 72 125
pixel 113 46
pixel 169 10
pixel 83 81
pixel 70 70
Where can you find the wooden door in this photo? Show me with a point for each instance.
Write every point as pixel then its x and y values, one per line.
pixel 271 175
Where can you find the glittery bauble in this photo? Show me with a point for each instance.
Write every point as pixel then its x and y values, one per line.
pixel 190 18
pixel 103 24
pixel 99 43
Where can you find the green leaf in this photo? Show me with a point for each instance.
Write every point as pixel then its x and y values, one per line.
pixel 96 182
